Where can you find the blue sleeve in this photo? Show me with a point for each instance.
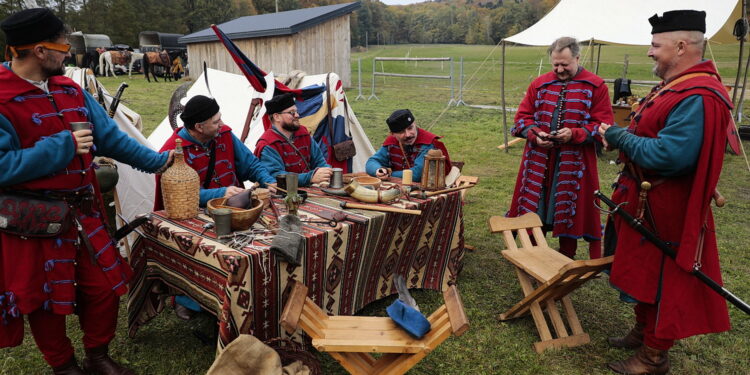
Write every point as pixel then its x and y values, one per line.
pixel 111 142
pixel 675 149
pixel 208 194
pixel 380 159
pixel 418 166
pixel 46 156
pixel 248 166
pixel 272 161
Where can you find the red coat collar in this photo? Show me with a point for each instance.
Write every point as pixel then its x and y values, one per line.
pixel 13 85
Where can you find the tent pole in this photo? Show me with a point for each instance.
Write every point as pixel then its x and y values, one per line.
pixel 738 107
pixel 598 57
pixel 739 60
pixel 502 98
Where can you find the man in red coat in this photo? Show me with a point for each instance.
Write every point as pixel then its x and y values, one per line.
pixel 676 143
pixel 288 147
pixel 558 176
pixel 405 148
pixel 74 267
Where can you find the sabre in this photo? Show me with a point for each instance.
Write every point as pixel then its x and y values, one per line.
pixel 116 100
pixel 664 247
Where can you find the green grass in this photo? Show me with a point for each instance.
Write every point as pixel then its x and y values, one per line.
pixel 487 283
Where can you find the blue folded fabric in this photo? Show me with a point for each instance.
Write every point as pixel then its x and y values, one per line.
pixel 408 318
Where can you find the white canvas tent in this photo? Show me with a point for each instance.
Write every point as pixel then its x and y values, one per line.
pixel 618 22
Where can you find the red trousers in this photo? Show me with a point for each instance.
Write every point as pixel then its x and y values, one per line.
pixel 97 307
pixel 646 314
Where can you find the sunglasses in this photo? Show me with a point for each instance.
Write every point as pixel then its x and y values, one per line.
pixel 64 48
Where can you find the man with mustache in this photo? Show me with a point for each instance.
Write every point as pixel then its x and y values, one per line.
pixel 288 147
pixel 73 265
pixel 676 143
pixel 404 148
pixel 557 178
pixel 221 160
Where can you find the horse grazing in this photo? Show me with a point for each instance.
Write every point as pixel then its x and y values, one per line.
pixel 157 58
pixel 108 59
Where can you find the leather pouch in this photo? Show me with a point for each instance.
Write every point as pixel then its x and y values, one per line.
pixel 33 216
pixel 344 150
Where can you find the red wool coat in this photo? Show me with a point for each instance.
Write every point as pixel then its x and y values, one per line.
pixel 585 106
pixel 197 157
pixel 424 138
pixel 297 162
pixel 41 272
pixel 682 214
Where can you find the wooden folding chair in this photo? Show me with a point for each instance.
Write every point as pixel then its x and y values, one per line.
pixel 350 339
pixel 555 276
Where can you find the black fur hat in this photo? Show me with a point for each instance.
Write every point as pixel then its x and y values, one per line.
pixel 198 109
pixel 31 26
pixel 279 103
pixel 685 20
pixel 399 120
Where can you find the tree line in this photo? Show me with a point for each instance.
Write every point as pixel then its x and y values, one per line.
pixel 441 21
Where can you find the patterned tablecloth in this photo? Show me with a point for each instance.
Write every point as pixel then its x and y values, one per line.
pixel 345 267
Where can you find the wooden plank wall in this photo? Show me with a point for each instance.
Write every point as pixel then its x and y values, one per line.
pixel 320 49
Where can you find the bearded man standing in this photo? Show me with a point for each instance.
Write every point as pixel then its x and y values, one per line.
pixel 558 175
pixel 72 266
pixel 288 147
pixel 676 143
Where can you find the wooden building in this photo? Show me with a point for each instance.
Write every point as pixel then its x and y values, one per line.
pixel 315 40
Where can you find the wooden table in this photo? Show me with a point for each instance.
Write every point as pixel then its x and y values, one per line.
pixel 345 267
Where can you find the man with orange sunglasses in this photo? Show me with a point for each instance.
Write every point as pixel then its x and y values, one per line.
pixel 56 256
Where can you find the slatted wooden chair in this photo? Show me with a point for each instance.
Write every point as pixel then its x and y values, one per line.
pixel 350 339
pixel 546 277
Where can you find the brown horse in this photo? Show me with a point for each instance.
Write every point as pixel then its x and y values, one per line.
pixel 157 58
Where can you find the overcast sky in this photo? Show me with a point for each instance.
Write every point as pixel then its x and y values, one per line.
pixel 401 2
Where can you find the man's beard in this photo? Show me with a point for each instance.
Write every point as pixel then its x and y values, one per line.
pixel 292 127
pixel 660 70
pixel 50 71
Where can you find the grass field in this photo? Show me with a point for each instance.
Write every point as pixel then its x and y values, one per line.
pixel 487 283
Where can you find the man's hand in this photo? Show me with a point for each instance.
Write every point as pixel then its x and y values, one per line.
pixel 321 175
pixel 603 129
pixel 271 188
pixel 232 191
pixel 542 140
pixel 563 135
pixel 382 173
pixel 84 141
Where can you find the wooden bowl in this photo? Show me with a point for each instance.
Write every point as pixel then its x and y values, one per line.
pixel 368 181
pixel 242 219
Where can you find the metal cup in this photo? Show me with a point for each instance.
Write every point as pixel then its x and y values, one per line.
pixel 222 220
pixel 292 182
pixel 80 125
pixel 337 178
pixel 281 182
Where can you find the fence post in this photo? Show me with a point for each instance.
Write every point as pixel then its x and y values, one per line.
pixel 461 83
pixel 372 89
pixel 452 96
pixel 359 80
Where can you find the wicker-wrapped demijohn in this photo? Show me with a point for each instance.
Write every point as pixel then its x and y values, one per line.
pixel 180 187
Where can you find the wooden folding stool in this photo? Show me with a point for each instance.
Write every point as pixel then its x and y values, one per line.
pixel 555 276
pixel 350 339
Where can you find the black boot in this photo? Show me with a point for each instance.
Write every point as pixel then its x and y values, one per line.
pixel 69 368
pixel 98 362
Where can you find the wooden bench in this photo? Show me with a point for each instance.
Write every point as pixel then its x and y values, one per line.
pixel 350 339
pixel 546 278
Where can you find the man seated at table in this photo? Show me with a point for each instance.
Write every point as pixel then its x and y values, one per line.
pixel 221 160
pixel 404 148
pixel 288 147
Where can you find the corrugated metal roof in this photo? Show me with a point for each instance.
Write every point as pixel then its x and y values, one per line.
pixel 273 24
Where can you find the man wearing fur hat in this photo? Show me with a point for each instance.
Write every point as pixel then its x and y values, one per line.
pixel 221 160
pixel 71 265
pixel 404 148
pixel 676 143
pixel 288 147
